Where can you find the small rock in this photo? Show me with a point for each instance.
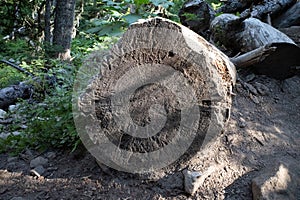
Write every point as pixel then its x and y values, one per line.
pixel 11 60
pixel 261 88
pixel 2 114
pixel 38 171
pixel 254 99
pixel 50 155
pixel 250 77
pixel 38 161
pixel 23 126
pixel 250 88
pixel 12 159
pixel 17 198
pixel 15 133
pixel 242 123
pixel 12 108
pixel 277 183
pixel 4 135
pixel 192 181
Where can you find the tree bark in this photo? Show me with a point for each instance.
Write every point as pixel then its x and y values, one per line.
pixel 63 28
pixel 47 19
pixel 197 15
pixel 268 7
pixel 157 62
pixel 290 18
pixel 247 35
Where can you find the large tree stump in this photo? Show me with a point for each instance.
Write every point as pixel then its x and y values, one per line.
pixel 162 93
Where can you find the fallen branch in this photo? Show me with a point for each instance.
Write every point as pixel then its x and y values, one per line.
pixel 17 67
pixel 252 57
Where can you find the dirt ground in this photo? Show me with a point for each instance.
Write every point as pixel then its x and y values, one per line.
pixel 263 129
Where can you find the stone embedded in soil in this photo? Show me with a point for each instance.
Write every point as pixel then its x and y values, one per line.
pixel 2 114
pixel 50 155
pixel 38 171
pixel 17 198
pixel 192 181
pixel 12 159
pixel 281 182
pixel 38 161
pixel 242 123
pixel 250 88
pixel 261 88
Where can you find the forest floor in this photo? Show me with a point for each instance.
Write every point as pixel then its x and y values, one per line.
pixel 263 131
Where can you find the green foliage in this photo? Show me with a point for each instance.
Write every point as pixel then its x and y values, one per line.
pixel 113 17
pixel 9 76
pixel 48 116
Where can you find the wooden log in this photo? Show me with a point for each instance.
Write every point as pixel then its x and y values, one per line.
pixel 290 18
pixel 276 60
pixel 260 9
pixel 245 36
pixel 197 15
pixel 257 40
pixel 268 7
pixel 234 6
pixel 162 93
pixel 292 32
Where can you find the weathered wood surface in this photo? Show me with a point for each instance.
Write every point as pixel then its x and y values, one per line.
pixel 290 18
pixel 268 7
pixel 292 32
pixel 277 60
pixel 258 9
pixel 246 36
pixel 151 50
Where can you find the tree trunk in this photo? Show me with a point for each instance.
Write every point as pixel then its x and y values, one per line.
pixel 63 28
pixel 161 81
pixel 197 15
pixel 290 18
pixel 268 7
pixel 256 39
pixel 247 35
pixel 276 60
pixel 47 19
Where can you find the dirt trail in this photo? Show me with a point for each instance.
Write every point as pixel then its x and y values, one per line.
pixel 263 129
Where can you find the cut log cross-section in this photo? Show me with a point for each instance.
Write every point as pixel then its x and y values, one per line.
pixel 162 94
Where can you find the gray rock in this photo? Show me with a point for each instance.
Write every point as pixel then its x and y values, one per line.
pixel 17 198
pixel 192 181
pixel 242 123
pixel 38 161
pixel 250 88
pixel 261 88
pixel 16 133
pixel 254 99
pixel 12 108
pixel 4 135
pixel 50 155
pixel 11 60
pixel 12 159
pixel 38 171
pixel 2 114
pixel 279 182
pixel 250 77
